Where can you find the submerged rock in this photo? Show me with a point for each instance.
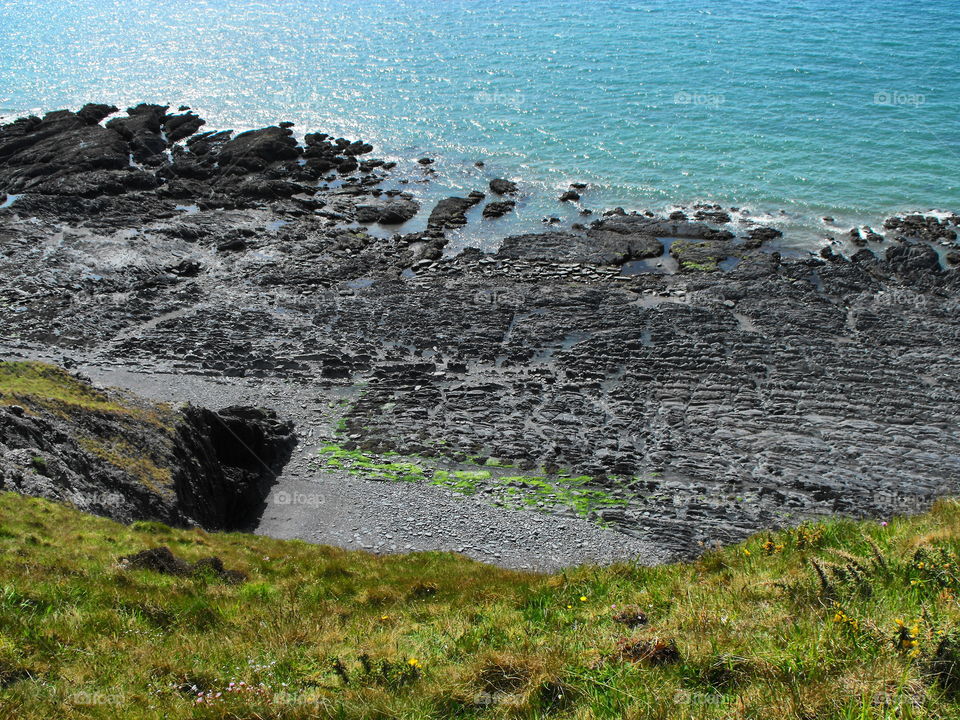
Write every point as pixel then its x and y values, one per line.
pixel 503 187
pixel 498 209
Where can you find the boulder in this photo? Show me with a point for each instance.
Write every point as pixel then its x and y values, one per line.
pixel 912 260
pixel 387 211
pixel 452 212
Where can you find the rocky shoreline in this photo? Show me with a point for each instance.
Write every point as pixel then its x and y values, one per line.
pixel 661 383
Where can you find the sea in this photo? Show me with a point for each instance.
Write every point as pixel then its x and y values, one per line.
pixel 790 111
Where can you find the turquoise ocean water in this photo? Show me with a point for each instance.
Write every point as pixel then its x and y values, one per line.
pixel 810 107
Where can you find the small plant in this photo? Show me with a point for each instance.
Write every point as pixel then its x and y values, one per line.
pixel 554 696
pixel 725 671
pixel 935 568
pixel 806 536
pixel 840 617
pixel 341 670
pixel 906 639
pixel 423 590
pixel 393 674
pixel 772 548
pixel 504 676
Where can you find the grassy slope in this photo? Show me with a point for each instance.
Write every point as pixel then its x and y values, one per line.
pixel 39 385
pixel 758 633
pixel 322 632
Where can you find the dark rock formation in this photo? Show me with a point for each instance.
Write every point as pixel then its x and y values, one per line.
pixel 189 467
pixel 913 261
pixel 163 561
pixel 38 155
pixel 142 163
pixel 142 128
pixel 711 213
pixel 234 455
pixel 743 391
pixel 498 209
pixel 503 187
pixel 758 236
pixel 387 210
pixel 452 212
pixel 921 227
pixel 180 127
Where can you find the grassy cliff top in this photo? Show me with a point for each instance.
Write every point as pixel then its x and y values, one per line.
pixel 124 429
pixel 41 386
pixel 840 620
pixel 32 382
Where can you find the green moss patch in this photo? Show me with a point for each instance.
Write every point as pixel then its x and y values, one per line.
pixel 553 491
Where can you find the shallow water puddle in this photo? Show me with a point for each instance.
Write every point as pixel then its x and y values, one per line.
pixel 664 264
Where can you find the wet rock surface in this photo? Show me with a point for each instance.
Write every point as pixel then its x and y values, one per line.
pixel 742 390
pixel 452 212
